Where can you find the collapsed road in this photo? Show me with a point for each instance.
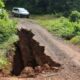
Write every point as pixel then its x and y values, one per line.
pixel 30 55
pixel 42 49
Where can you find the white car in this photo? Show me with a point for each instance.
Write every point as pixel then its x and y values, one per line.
pixel 20 12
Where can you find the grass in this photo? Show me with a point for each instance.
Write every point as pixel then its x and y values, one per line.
pixel 4 47
pixel 8 36
pixel 61 27
pixel 75 40
pixel 7 45
pixel 9 42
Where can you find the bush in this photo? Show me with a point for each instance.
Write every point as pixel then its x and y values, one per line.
pixel 3 62
pixel 76 40
pixel 7 29
pixel 3 14
pixel 1 4
pixel 7 26
pixel 62 27
pixel 77 28
pixel 74 16
pixel 7 37
pixel 67 29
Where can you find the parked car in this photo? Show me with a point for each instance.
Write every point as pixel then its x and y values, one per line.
pixel 20 12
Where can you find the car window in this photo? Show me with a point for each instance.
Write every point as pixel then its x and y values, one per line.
pixel 16 9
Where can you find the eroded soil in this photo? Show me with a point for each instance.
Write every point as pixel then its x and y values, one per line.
pixel 29 58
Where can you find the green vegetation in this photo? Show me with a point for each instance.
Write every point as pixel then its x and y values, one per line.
pixel 3 62
pixel 7 26
pixel 75 16
pixel 7 35
pixel 5 65
pixel 76 40
pixel 1 4
pixel 46 6
pixel 7 29
pixel 62 27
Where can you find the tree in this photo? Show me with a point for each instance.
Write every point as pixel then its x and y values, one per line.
pixel 46 6
pixel 1 4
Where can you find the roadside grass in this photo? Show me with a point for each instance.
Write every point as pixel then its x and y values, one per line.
pixel 8 36
pixel 4 48
pixel 43 17
pixel 61 27
pixel 5 65
pixel 7 44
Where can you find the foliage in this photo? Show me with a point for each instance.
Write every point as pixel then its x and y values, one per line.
pixel 3 14
pixel 3 62
pixel 46 6
pixel 1 4
pixel 76 40
pixel 75 16
pixel 62 27
pixel 7 36
pixel 7 45
pixel 7 26
pixel 7 29
pixel 5 65
pixel 67 29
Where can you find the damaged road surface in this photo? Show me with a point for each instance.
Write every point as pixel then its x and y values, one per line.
pixel 40 56
pixel 30 56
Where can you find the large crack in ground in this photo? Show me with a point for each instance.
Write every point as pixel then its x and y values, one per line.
pixel 30 56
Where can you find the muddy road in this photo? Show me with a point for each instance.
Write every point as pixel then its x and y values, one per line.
pixel 59 51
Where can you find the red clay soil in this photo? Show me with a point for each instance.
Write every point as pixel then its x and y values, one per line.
pixel 38 78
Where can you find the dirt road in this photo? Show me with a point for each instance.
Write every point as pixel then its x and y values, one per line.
pixel 68 56
pixel 59 51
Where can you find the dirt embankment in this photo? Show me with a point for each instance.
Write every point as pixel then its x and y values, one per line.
pixel 30 55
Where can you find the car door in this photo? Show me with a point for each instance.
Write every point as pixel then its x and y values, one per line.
pixel 15 10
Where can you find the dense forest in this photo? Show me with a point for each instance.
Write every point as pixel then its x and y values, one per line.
pixel 46 6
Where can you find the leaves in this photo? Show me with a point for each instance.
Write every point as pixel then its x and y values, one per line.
pixel 62 27
pixel 1 4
